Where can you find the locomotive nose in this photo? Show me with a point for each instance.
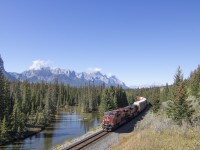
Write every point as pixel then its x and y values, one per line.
pixel 106 120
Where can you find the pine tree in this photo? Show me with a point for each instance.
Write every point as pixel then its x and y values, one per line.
pixel 178 107
pixel 194 82
pixel 54 96
pixel 23 121
pixel 119 97
pixel 115 100
pixel 19 131
pixel 2 94
pixel 36 118
pixel 130 99
pixel 106 102
pixel 4 129
pixel 48 106
pixel 15 116
pixel 124 101
pixel 26 106
pixel 164 93
pixel 155 99
pixel 8 100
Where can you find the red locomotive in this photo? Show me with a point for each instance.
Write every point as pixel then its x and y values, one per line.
pixel 115 118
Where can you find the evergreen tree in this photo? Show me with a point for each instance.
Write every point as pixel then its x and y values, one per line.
pixel 36 118
pixel 4 129
pixel 130 99
pixel 48 106
pixel 2 94
pixel 113 97
pixel 121 97
pixel 22 119
pixel 115 100
pixel 124 101
pixel 194 82
pixel 8 99
pixel 15 116
pixel 164 93
pixel 19 130
pixel 155 101
pixel 54 96
pixel 178 107
pixel 26 105
pixel 106 102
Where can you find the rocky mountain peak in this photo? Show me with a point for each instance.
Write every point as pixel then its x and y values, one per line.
pixel 38 73
pixel 1 64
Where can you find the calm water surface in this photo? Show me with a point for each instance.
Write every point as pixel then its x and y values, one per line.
pixel 68 125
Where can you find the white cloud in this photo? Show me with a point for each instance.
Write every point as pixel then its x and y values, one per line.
pixel 109 74
pixel 38 64
pixel 94 69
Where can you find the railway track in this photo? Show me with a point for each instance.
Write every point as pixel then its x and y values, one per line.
pixel 83 143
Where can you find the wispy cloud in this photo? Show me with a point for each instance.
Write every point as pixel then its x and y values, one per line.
pixel 109 74
pixel 96 69
pixel 38 64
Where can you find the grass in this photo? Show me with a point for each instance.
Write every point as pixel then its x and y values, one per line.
pixel 150 140
pixel 157 132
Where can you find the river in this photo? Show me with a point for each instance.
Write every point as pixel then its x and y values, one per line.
pixel 68 125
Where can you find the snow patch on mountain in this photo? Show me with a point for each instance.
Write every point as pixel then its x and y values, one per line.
pixel 70 77
pixel 40 71
pixel 146 85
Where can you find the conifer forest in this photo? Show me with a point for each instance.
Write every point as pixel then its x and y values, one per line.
pixel 24 104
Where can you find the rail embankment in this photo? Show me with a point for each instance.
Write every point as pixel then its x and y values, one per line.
pixel 156 131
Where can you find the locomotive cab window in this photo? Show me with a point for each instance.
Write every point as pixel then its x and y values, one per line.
pixel 109 115
pixel 106 115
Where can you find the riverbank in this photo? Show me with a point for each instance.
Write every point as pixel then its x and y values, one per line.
pixel 67 143
pixel 30 131
pixel 66 125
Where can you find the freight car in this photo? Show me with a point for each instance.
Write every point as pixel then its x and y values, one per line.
pixel 115 118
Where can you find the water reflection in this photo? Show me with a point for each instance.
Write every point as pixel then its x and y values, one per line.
pixel 68 125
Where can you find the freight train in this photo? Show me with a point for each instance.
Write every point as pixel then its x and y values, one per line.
pixel 115 118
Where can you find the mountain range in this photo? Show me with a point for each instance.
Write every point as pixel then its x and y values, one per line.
pixel 68 77
pixel 146 86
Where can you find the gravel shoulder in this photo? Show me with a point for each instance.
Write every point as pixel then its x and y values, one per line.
pixel 68 143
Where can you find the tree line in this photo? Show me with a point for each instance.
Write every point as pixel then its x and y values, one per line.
pixel 24 104
pixel 175 97
pixel 112 98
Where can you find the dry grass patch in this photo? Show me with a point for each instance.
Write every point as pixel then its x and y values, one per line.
pixel 151 140
pixel 157 132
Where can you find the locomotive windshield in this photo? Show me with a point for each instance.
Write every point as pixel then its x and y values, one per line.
pixel 109 115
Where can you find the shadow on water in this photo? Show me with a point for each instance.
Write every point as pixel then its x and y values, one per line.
pixel 53 135
pixel 65 120
pixel 54 128
pixel 16 146
pixel 129 127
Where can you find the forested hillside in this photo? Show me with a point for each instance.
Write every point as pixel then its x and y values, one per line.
pixel 174 120
pixel 24 104
pixel 182 96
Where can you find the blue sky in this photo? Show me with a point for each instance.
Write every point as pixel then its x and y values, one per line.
pixel 139 41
